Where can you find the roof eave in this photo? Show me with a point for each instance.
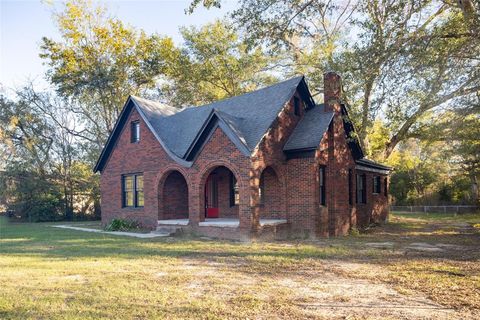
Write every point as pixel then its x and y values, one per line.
pixel 99 164
pixel 172 155
pixel 214 115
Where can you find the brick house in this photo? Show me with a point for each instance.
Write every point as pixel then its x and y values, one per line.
pixel 269 163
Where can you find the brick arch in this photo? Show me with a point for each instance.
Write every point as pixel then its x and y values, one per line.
pixel 172 192
pixel 205 172
pixel 273 199
pixel 225 168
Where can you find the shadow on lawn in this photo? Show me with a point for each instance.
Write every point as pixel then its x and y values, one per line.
pixel 23 239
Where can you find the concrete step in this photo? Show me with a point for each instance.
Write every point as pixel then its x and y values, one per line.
pixel 166 229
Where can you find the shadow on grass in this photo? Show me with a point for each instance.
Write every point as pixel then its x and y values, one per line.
pixel 22 239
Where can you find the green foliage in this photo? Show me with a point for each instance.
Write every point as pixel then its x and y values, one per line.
pixel 405 58
pixel 213 64
pixel 45 176
pixel 122 225
pixel 32 197
pixel 355 232
pixel 456 191
pixel 99 62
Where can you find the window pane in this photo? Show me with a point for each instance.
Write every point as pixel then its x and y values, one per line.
pixel 139 191
pixel 135 127
pixel 236 193
pixel 128 183
pixel 321 179
pixel 139 198
pixel 139 184
pixel 129 199
pixel 237 197
pixel 137 131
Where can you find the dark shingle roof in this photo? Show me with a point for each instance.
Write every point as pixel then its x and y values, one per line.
pixel 245 119
pixel 309 131
pixel 372 164
pixel 249 115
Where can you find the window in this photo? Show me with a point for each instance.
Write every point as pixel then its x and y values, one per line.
pixel 376 185
pixel 135 131
pixel 132 190
pixel 385 186
pixel 234 194
pixel 321 181
pixel 261 190
pixel 350 187
pixel 361 186
pixel 128 191
pixel 296 106
pixel 139 191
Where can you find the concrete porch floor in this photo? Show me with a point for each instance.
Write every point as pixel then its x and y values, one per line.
pixel 220 222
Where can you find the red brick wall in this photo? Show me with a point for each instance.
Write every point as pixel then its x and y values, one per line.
pixel 220 151
pixel 269 153
pixel 145 156
pixel 376 208
pixel 301 197
pixel 291 187
pixel 174 203
pixel 272 205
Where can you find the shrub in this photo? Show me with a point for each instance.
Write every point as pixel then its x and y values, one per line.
pixel 122 225
pixel 354 231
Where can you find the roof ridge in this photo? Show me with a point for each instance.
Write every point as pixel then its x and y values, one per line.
pixel 300 77
pixel 158 103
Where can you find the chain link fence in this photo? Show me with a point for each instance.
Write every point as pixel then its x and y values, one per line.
pixel 436 209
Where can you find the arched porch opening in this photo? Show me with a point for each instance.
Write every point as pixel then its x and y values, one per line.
pixel 271 195
pixel 173 197
pixel 220 195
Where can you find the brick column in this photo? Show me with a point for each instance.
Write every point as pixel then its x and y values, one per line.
pixel 194 203
pixel 254 201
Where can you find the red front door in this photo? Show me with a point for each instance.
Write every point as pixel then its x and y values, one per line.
pixel 211 197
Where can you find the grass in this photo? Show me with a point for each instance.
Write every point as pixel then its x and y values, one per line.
pixel 50 273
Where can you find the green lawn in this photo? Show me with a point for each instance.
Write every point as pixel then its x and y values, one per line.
pixel 50 273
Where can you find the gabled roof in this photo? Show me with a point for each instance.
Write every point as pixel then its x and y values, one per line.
pixel 309 131
pixel 245 119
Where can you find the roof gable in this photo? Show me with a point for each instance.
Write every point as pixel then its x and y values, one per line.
pixel 143 107
pixel 181 132
pixel 229 126
pixel 309 131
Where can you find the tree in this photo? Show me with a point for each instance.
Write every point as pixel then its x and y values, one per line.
pixel 214 63
pixel 99 62
pixel 45 171
pixel 405 58
pixel 459 132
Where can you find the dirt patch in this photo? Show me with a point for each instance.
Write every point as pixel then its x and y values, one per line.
pixel 327 292
pixel 421 246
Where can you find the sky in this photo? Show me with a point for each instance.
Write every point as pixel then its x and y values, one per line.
pixel 23 23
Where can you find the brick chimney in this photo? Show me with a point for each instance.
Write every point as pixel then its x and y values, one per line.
pixel 332 92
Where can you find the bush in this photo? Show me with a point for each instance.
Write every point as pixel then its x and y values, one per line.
pixel 354 231
pixel 122 225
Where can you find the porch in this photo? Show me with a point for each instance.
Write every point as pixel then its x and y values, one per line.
pixel 219 222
